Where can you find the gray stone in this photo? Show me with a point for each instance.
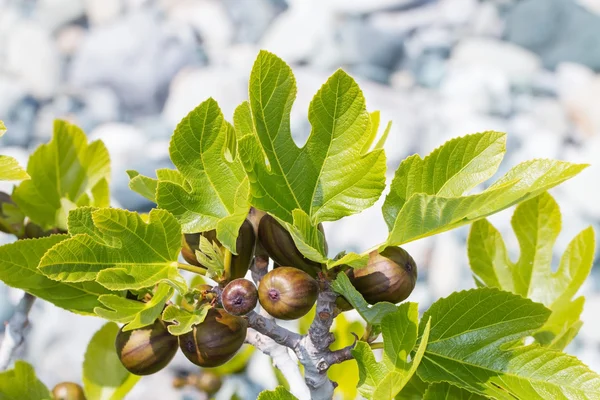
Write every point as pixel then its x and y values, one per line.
pixel 137 57
pixel 251 18
pixel 52 14
pixel 558 30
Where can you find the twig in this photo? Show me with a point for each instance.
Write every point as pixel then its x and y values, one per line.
pixel 282 361
pixel 269 328
pixel 14 334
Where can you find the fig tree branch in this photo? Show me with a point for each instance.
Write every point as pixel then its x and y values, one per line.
pixel 269 328
pixel 281 360
pixel 14 335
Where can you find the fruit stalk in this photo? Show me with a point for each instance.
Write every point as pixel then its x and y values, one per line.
pixel 14 334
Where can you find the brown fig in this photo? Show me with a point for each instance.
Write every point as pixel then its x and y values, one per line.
pixel 146 350
pixel 240 263
pixel 208 382
pixel 239 297
pixel 68 391
pixel 215 340
pixel 280 246
pixel 389 276
pixel 287 293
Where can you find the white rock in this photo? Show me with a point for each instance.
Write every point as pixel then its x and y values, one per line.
pixel 519 65
pixel 592 5
pixel 69 39
pixel 487 21
pixel 308 17
pixel 361 6
pixel 12 92
pixel 102 11
pixel 54 13
pixel 124 142
pixel 578 89
pixel 191 86
pixel 32 58
pixel 447 266
pixel 583 190
pixel 209 18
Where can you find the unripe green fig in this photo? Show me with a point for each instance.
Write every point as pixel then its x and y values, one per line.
pixel 239 297
pixel 280 246
pixel 389 276
pixel 287 293
pixel 68 391
pixel 215 340
pixel 240 263
pixel 146 350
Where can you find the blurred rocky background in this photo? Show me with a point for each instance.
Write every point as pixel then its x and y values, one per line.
pixel 127 71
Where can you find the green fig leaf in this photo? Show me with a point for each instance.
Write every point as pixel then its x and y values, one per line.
pixel 425 214
pixel 122 252
pixel 184 320
pixel 280 393
pixel 475 343
pixel 371 314
pixel 446 391
pixel 20 383
pixel 143 185
pixel 65 173
pixel 385 379
pixel 20 270
pixel 214 194
pixel 134 313
pixel 10 170
pixel 104 377
pixel 211 256
pixel 329 177
pixel 537 223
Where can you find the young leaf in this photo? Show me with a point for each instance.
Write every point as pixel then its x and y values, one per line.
pixel 211 256
pixel 10 170
pixel 446 391
pixel 22 384
pixel 449 171
pixel 329 178
pixel 183 320
pixel 215 192
pixel 384 380
pixel 66 172
pixel 104 377
pixel 143 185
pixel 425 214
pixel 280 393
pixel 537 223
pixel 136 314
pixel 123 252
pixel 371 314
pixel 19 269
pixel 473 344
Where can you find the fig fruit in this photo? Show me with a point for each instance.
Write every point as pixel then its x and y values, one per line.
pixel 68 391
pixel 215 340
pixel 239 297
pixel 389 276
pixel 208 382
pixel 280 246
pixel 287 293
pixel 146 350
pixel 240 263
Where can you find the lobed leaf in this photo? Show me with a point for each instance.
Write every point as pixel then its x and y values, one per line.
pixel 121 252
pixel 19 269
pixel 10 170
pixel 280 393
pixel 537 223
pixel 474 344
pixel 329 177
pixel 385 379
pixel 214 191
pixel 104 377
pixel 184 320
pixel 134 313
pixel 425 214
pixel 22 384
pixel 65 173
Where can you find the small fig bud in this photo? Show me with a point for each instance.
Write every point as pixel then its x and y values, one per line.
pixel 389 276
pixel 239 297
pixel 146 350
pixel 240 263
pixel 215 340
pixel 68 391
pixel 287 293
pixel 202 288
pixel 208 382
pixel 280 246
